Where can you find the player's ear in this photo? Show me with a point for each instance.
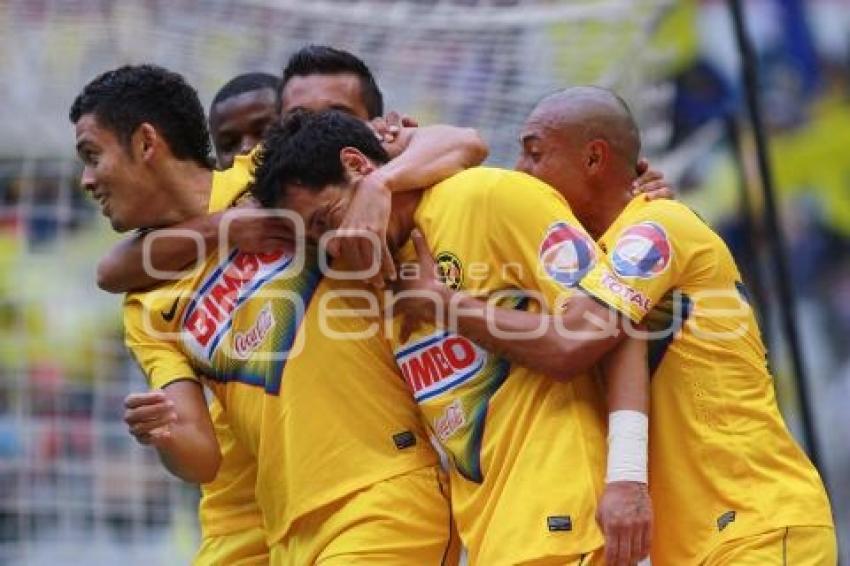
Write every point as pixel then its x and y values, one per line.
pixel 144 140
pixel 355 163
pixel 596 156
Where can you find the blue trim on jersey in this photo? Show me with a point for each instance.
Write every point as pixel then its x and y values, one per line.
pixel 239 302
pixel 457 381
pixel 420 345
pixel 214 277
pixel 657 348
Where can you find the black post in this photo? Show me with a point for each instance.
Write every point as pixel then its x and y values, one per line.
pixel 776 241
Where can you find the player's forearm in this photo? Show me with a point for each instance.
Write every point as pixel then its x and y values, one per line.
pixel 560 347
pixel 190 453
pixel 189 448
pixel 125 267
pixel 627 384
pixel 433 154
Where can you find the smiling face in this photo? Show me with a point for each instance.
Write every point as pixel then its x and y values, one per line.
pixel 238 123
pixel 114 176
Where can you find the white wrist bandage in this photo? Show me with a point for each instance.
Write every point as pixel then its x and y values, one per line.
pixel 628 434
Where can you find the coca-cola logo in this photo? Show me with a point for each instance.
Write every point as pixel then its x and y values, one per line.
pixel 246 343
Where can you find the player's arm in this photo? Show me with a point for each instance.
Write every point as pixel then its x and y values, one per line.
pixel 173 416
pixel 123 269
pixel 175 420
pixel 557 345
pixel 625 510
pixel 144 260
pixel 422 157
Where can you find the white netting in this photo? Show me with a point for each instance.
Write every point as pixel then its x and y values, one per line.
pixel 73 486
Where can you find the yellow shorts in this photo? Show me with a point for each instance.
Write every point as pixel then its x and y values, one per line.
pixel 242 548
pixel 792 546
pixel 403 520
pixel 593 558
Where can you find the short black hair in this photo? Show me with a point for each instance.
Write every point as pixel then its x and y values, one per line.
pixel 304 149
pixel 125 98
pixel 247 82
pixel 324 60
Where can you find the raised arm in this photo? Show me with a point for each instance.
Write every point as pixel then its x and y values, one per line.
pixel 123 267
pixel 558 345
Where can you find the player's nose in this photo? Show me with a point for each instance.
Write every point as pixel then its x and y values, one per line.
pixel 88 181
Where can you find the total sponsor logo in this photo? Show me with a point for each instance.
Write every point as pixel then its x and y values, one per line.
pixel 245 343
pixel 207 317
pixel 642 250
pixel 621 289
pixel 567 253
pixel 438 363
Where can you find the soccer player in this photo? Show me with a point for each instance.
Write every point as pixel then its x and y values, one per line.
pixel 240 113
pixel 525 486
pixel 367 498
pixel 230 519
pixel 729 484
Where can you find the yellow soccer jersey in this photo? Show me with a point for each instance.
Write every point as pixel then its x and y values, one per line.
pixel 343 420
pixel 227 503
pixel 528 451
pixel 228 321
pixel 722 463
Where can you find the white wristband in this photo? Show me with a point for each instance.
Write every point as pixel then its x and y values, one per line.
pixel 628 434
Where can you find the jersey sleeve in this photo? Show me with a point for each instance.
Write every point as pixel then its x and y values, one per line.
pixel 648 255
pixel 536 230
pixel 154 349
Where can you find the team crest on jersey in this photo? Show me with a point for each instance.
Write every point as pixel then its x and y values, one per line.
pixel 567 254
pixel 451 270
pixel 642 250
pixel 438 363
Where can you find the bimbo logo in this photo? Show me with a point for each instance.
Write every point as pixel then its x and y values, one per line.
pixel 438 363
pixel 642 250
pixel 567 254
pixel 208 316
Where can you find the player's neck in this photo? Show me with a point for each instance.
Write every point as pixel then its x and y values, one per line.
pixel 188 186
pixel 607 208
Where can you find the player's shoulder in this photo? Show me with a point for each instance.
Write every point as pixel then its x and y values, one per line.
pixel 493 187
pixel 230 184
pixel 670 215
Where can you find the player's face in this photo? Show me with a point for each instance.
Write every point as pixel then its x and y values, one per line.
pixel 239 122
pixel 321 211
pixel 111 175
pixel 551 155
pixel 325 92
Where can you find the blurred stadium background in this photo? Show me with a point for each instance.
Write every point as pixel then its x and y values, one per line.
pixel 74 488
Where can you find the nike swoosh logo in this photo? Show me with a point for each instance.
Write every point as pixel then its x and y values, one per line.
pixel 168 316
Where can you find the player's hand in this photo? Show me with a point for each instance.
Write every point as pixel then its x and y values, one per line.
pixel 421 295
pixel 149 416
pixel 625 516
pixel 255 230
pixel 361 239
pixel 651 183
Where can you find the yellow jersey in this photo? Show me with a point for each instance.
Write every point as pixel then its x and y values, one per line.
pixel 224 323
pixel 722 463
pixel 343 420
pixel 527 451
